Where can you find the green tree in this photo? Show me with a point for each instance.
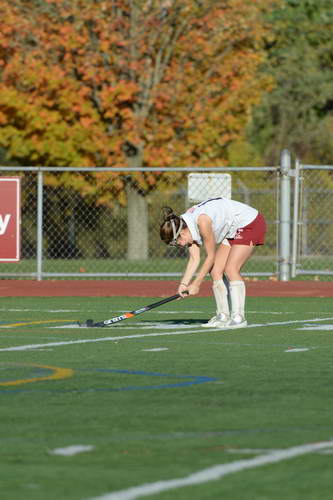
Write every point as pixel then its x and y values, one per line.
pixel 297 113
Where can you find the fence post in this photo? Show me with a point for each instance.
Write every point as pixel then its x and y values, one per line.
pixel 295 232
pixel 39 225
pixel 284 217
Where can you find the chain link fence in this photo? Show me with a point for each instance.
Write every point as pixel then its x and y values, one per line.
pixel 104 223
pixel 315 222
pixel 86 223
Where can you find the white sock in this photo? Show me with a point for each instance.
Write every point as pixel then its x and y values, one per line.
pixel 237 295
pixel 221 298
pixel 227 284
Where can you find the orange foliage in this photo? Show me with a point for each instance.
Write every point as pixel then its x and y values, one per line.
pixel 175 81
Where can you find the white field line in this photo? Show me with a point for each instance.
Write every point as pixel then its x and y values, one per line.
pixel 72 450
pixel 317 327
pixel 89 341
pixel 214 473
pixel 298 349
pixel 278 323
pixel 156 349
pixel 163 326
pixel 141 335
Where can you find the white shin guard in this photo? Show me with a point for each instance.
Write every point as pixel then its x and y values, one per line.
pixel 237 296
pixel 221 297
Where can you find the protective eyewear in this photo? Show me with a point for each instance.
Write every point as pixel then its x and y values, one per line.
pixel 173 242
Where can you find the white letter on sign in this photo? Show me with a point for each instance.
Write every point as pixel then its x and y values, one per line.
pixel 4 223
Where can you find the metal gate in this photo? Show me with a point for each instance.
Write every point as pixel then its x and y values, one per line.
pixel 312 236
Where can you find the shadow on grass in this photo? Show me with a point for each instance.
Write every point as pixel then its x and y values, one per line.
pixel 175 322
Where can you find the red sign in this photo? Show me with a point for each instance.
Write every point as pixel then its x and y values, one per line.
pixel 10 215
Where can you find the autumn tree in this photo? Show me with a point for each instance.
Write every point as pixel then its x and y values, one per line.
pixel 127 83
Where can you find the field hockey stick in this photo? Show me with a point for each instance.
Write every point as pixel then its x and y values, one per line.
pixel 90 323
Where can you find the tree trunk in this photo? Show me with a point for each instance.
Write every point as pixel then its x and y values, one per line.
pixel 137 217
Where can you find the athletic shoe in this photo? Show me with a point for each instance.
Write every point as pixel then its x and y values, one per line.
pixel 237 321
pixel 218 321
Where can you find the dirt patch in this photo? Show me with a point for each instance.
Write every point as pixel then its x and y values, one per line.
pixel 143 288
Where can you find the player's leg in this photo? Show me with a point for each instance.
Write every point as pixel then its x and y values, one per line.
pixel 238 255
pixel 220 290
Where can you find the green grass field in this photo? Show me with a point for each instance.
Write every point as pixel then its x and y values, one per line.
pixel 257 264
pixel 157 398
pixel 124 266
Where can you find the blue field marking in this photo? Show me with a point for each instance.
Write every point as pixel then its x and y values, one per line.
pixel 186 381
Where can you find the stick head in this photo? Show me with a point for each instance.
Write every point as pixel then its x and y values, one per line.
pixel 91 324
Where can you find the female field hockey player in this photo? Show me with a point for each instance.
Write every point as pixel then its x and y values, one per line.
pixel 229 231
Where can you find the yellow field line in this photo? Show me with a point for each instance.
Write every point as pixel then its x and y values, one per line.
pixel 27 323
pixel 58 373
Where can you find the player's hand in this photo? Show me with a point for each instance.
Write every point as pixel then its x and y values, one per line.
pixel 193 289
pixel 182 289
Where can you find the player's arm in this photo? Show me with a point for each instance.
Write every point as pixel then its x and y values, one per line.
pixel 192 266
pixel 206 232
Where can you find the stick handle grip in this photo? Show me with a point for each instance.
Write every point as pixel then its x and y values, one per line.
pixel 163 301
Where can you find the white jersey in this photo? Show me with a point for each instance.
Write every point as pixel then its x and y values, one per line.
pixel 227 217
